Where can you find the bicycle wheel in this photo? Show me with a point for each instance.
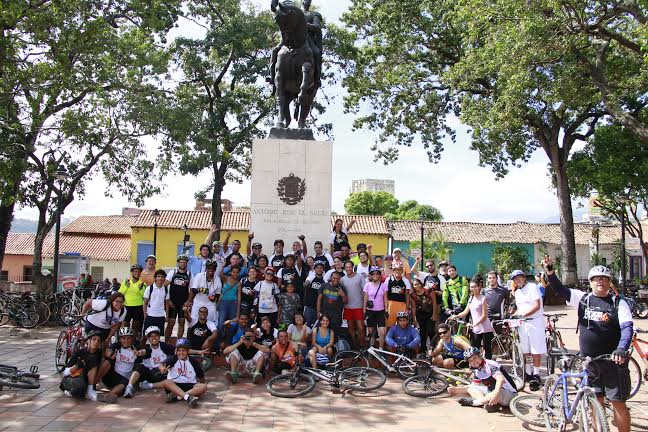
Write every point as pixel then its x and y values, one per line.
pixel 362 379
pixel 290 386
pixel 61 352
pixel 552 404
pixel 591 417
pixel 642 310
pixel 44 313
pixel 424 386
pixel 551 360
pixel 17 381
pixel 517 366
pixel 410 368
pixel 501 347
pixel 638 414
pixel 528 408
pixel 351 358
pixel 635 376
pixel 30 319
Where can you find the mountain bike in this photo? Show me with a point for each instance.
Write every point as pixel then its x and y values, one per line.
pixel 435 381
pixel 528 408
pixel 633 367
pixel 555 344
pixel 10 376
pixel 560 407
pixel 69 341
pixel 403 365
pixel 21 308
pixel 301 380
pixel 507 345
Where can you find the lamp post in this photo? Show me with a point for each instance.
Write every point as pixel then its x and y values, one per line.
pixel 156 215
pixel 390 229
pixel 422 221
pixel 623 199
pixel 185 238
pixel 61 175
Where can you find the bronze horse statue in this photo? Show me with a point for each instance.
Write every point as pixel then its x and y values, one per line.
pixel 294 74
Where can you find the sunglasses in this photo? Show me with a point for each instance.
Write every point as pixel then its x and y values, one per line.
pixel 429 265
pixel 443 333
pixel 269 274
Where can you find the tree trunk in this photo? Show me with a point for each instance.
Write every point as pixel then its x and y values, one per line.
pixel 6 217
pixel 219 184
pixel 567 237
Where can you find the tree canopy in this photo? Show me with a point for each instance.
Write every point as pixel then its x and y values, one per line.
pixel 385 204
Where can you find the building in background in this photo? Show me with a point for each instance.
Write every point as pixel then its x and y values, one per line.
pixel 373 185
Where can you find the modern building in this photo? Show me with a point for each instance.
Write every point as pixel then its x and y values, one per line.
pixel 373 185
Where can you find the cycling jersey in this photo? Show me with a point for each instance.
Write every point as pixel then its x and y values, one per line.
pixel 452 349
pixel 403 337
pixel 455 293
pixel 133 292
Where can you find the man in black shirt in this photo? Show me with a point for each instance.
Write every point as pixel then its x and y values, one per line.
pixel 245 357
pixel 277 258
pixel 311 293
pixel 497 298
pixel 178 281
pixel 321 256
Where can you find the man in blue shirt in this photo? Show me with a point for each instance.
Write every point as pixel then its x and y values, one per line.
pixel 402 337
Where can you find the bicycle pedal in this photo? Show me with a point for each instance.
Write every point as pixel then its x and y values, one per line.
pixel 33 369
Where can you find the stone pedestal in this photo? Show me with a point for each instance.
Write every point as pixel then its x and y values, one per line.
pixel 291 191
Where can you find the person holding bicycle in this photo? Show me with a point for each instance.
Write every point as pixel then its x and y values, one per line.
pixel 604 327
pixel 482 329
pixel 449 352
pixel 402 337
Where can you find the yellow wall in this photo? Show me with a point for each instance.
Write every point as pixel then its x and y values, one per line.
pixel 167 240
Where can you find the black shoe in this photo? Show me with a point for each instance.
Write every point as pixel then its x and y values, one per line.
pixel 466 401
pixel 535 383
pixel 192 401
pixel 492 408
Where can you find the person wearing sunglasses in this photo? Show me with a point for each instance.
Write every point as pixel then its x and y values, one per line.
pixel 267 292
pixel 449 352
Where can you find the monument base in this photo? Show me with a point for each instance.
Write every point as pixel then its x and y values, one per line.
pixel 292 134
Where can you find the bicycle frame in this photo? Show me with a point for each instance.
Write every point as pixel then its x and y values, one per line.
pixel 449 373
pixel 570 410
pixel 636 345
pixel 377 354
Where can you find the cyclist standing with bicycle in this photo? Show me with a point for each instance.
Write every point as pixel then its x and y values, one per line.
pixel 604 327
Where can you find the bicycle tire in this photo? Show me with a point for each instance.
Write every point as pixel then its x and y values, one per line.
pixel 31 319
pixel 642 310
pixel 44 313
pixel 357 378
pixel 517 367
pixel 638 415
pixel 61 352
pixel 552 408
pixel 424 386
pixel 528 408
pixel 274 385
pixel 417 367
pixel 590 407
pixel 351 358
pixel 551 360
pixel 8 380
pixel 501 346
pixel 635 376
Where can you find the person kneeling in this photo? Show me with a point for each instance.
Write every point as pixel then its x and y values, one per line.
pixel 402 337
pixel 185 378
pixel 245 357
pixel 492 386
pixel 82 371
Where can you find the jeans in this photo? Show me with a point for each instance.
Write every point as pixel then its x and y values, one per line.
pixel 226 311
pixel 310 315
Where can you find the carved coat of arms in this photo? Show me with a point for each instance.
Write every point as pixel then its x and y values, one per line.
pixel 291 189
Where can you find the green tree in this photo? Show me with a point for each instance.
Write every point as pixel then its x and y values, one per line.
pixel 412 210
pixel 614 163
pixel 436 247
pixel 66 66
pixel 370 203
pixel 506 258
pixel 512 70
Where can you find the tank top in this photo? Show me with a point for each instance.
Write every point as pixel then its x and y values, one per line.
pixel 452 349
pixel 247 293
pixel 323 340
pixel 230 292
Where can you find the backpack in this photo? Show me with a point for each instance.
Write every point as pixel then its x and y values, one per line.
pixel 150 288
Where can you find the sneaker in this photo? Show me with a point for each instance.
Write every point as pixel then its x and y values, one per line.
pixel 192 401
pixel 535 383
pixel 465 401
pixel 145 385
pixel 67 393
pixel 128 393
pixel 256 377
pixel 492 408
pixel 170 398
pixel 91 394
pixel 231 376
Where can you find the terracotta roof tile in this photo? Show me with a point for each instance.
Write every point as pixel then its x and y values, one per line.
pixel 363 224
pixel 20 244
pixel 118 225
pixel 99 247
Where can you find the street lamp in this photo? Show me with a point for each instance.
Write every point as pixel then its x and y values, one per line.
pixel 185 239
pixel 390 229
pixel 422 221
pixel 623 199
pixel 60 175
pixel 156 215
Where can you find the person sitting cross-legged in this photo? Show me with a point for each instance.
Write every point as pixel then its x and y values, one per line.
pixel 402 337
pixel 202 337
pixel 185 378
pixel 148 373
pixel 283 354
pixel 245 357
pixel 492 386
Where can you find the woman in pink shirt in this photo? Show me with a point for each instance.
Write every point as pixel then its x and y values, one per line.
pixel 482 329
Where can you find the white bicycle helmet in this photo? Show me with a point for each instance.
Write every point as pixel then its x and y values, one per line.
pixel 471 352
pixel 402 314
pixel 151 329
pixel 125 331
pixel 599 271
pixel 516 273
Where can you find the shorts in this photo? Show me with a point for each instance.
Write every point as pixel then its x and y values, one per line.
pixel 610 380
pixel 460 363
pixel 135 313
pixel 375 318
pixel 532 337
pixel 505 396
pixel 393 307
pixel 91 327
pixel 150 375
pixel 353 314
pixel 176 311
pixel 244 367
pixel 154 321
pixel 113 379
pixel 185 387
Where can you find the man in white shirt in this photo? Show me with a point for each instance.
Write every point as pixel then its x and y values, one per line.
pixel 156 303
pixel 532 332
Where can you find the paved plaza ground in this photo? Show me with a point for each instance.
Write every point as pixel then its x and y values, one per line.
pixel 242 407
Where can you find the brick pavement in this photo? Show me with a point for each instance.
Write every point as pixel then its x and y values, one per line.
pixel 243 407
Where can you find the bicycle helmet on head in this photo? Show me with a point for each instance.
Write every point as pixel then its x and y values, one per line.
pixel 182 257
pixel 516 273
pixel 126 331
pixel 599 271
pixel 471 352
pixel 136 267
pixel 402 314
pixel 152 329
pixel 183 343
pixel 93 333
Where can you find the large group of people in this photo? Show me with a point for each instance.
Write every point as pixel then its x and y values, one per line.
pixel 264 313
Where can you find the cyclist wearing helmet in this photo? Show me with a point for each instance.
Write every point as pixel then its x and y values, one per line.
pixel 604 327
pixel 253 251
pixel 178 281
pixel 532 332
pixel 119 362
pixel 402 337
pixel 185 377
pixel 82 370
pixel 492 386
pixel 133 290
pixel 374 302
pixel 206 287
pixel 156 303
pixel 148 372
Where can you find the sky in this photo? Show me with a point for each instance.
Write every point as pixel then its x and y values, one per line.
pixel 457 186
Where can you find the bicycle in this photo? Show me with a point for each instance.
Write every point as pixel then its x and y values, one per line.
pixel 555 344
pixel 300 381
pixel 403 365
pixel 73 304
pixel 509 340
pixel 528 408
pixel 20 308
pixel 584 410
pixel 10 376
pixel 69 341
pixel 435 381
